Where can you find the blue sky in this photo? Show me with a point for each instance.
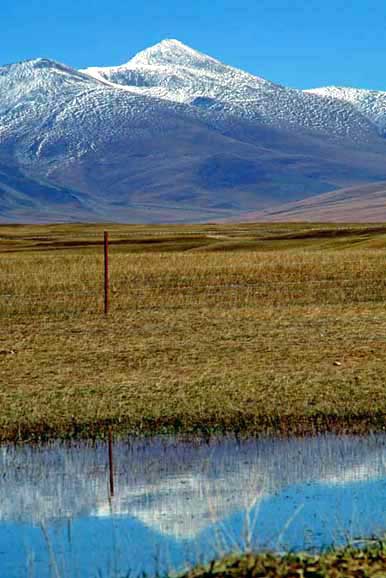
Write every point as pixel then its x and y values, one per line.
pixel 300 43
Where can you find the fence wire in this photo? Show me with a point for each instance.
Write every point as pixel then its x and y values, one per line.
pixel 130 289
pixel 226 297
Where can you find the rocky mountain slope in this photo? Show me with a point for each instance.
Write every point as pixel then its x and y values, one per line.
pixel 175 135
pixel 370 103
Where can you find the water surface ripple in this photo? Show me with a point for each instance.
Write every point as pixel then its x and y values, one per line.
pixel 177 503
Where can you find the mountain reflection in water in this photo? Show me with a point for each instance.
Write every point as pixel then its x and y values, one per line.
pixel 185 499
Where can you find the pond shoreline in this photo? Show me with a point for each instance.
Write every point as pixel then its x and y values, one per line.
pixel 246 426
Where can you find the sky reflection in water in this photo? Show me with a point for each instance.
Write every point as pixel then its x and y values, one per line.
pixel 178 503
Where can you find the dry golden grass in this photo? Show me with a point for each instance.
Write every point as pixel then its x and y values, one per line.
pixel 245 328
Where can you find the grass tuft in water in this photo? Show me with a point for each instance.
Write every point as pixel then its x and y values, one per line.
pixel 368 561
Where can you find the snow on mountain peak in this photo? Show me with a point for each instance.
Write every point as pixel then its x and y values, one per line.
pixel 171 52
pixel 173 71
pixel 167 81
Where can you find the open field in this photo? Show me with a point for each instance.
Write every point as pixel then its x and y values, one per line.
pixel 368 561
pixel 245 328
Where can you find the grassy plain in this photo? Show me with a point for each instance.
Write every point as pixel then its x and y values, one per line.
pixel 243 328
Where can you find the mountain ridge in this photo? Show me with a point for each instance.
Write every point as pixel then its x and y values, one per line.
pixel 174 132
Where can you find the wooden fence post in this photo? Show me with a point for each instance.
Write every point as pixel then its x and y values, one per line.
pixel 107 273
pixel 111 462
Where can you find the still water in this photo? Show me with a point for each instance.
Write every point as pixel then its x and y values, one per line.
pixel 176 503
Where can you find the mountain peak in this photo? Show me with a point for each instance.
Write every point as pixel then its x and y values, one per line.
pixel 31 63
pixel 34 65
pixel 171 52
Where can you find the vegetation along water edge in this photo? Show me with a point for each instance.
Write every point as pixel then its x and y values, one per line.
pixel 364 562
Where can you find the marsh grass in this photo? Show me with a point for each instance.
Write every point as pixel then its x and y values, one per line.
pixel 368 561
pixel 242 328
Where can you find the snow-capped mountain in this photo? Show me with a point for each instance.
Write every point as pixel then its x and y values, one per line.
pixel 51 106
pixel 175 135
pixel 170 70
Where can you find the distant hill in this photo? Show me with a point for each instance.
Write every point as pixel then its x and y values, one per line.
pixel 366 204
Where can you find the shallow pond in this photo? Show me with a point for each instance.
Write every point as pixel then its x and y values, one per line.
pixel 176 503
